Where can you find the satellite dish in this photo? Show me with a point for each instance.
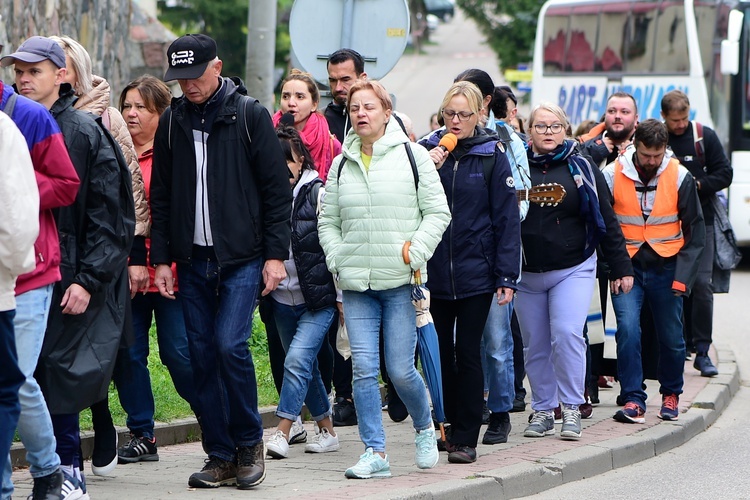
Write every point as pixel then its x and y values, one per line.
pixel 377 29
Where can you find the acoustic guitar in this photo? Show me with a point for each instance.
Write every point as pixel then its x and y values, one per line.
pixel 543 194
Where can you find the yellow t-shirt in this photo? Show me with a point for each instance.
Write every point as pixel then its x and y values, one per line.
pixel 366 159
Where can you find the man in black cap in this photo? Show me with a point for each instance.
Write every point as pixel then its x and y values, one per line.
pixel 220 199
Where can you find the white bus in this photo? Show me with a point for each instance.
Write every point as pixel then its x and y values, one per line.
pixel 587 49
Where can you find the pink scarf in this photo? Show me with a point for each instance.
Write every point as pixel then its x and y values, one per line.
pixel 317 137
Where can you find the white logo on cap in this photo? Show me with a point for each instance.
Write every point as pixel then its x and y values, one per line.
pixel 183 57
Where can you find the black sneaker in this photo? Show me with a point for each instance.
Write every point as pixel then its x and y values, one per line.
pixel 498 430
pixel 251 466
pixel 485 414
pixel 519 405
pixel 215 473
pixel 344 413
pixel 704 365
pixel 462 454
pixel 48 487
pixel 139 449
pixel 396 408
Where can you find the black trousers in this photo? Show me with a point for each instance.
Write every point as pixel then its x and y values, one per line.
pixel 463 382
pixel 699 305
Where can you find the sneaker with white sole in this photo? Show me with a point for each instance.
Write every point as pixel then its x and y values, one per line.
pixel 542 424
pixel 370 465
pixel 571 425
pixel 71 488
pixel 297 434
pixel 277 446
pixel 323 442
pixel 427 455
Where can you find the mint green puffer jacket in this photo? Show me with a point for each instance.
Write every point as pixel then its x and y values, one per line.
pixel 367 216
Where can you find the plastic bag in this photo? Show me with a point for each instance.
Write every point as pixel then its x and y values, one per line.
pixel 342 342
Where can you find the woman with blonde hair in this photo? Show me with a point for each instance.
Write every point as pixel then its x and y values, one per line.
pixel 94 96
pixel 477 260
pixel 300 98
pixel 559 271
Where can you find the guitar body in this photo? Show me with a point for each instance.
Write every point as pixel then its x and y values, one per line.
pixel 543 194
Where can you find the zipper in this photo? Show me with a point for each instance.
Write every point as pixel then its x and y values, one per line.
pixel 450 245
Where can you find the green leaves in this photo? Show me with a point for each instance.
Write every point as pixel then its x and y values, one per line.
pixel 510 26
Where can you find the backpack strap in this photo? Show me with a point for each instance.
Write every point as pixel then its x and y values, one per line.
pixel 10 104
pixel 243 122
pixel 698 138
pixel 413 164
pixel 488 162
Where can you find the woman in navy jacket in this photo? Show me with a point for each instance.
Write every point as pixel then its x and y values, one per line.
pixel 476 261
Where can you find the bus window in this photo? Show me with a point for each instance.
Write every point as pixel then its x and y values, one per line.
pixel 555 30
pixel 612 24
pixel 579 56
pixel 671 49
pixel 705 17
pixel 638 39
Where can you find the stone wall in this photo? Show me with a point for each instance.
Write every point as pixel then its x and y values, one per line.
pixel 123 42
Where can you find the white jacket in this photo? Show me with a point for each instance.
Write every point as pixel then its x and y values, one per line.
pixel 19 210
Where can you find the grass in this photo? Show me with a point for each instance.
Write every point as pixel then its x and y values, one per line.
pixel 169 405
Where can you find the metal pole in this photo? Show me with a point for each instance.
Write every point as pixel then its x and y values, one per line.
pixel 346 24
pixel 261 50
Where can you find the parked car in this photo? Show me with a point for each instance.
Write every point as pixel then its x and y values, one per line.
pixel 444 9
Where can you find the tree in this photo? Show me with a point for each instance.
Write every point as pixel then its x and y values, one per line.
pixel 510 26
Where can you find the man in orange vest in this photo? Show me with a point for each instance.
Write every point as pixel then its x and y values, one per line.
pixel 657 206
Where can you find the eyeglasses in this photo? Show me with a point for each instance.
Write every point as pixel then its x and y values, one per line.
pixel 556 128
pixel 462 115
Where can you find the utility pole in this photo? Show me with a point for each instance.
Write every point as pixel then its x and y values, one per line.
pixel 261 50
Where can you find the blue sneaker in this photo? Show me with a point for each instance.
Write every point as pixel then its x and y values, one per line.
pixel 370 465
pixel 669 407
pixel 427 452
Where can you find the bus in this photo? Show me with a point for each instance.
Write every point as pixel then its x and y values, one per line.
pixel 587 49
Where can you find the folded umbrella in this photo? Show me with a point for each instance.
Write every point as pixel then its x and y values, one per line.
pixel 427 344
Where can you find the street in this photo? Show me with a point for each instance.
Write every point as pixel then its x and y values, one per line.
pixel 419 82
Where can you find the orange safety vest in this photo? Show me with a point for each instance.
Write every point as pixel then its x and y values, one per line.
pixel 662 229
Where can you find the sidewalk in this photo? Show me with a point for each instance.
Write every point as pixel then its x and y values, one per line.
pixel 521 467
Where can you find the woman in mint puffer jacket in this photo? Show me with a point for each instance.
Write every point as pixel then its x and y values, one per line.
pixel 371 208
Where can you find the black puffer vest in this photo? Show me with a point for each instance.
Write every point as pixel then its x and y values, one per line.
pixel 315 281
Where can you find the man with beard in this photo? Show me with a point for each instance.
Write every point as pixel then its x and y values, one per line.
pixel 345 66
pixel 699 149
pixel 620 119
pixel 656 202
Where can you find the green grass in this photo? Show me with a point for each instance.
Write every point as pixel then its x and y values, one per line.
pixel 169 405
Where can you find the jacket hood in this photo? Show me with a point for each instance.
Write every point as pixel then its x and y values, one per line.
pixel 394 136
pixel 308 175
pixel 97 100
pixel 628 167
pixel 66 100
pixel 337 108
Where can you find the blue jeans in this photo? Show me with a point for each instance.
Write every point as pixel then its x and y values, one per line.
pixel 34 424
pixel 363 313
pixel 218 306
pixel 654 286
pixel 498 347
pixel 302 333
pixel 131 374
pixel 11 379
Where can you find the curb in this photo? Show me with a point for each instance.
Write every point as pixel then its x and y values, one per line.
pixel 529 478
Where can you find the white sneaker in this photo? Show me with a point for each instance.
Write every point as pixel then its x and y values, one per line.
pixel 323 443
pixel 277 446
pixel 427 452
pixel 297 434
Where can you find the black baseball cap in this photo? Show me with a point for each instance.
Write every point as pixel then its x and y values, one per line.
pixel 37 49
pixel 188 57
